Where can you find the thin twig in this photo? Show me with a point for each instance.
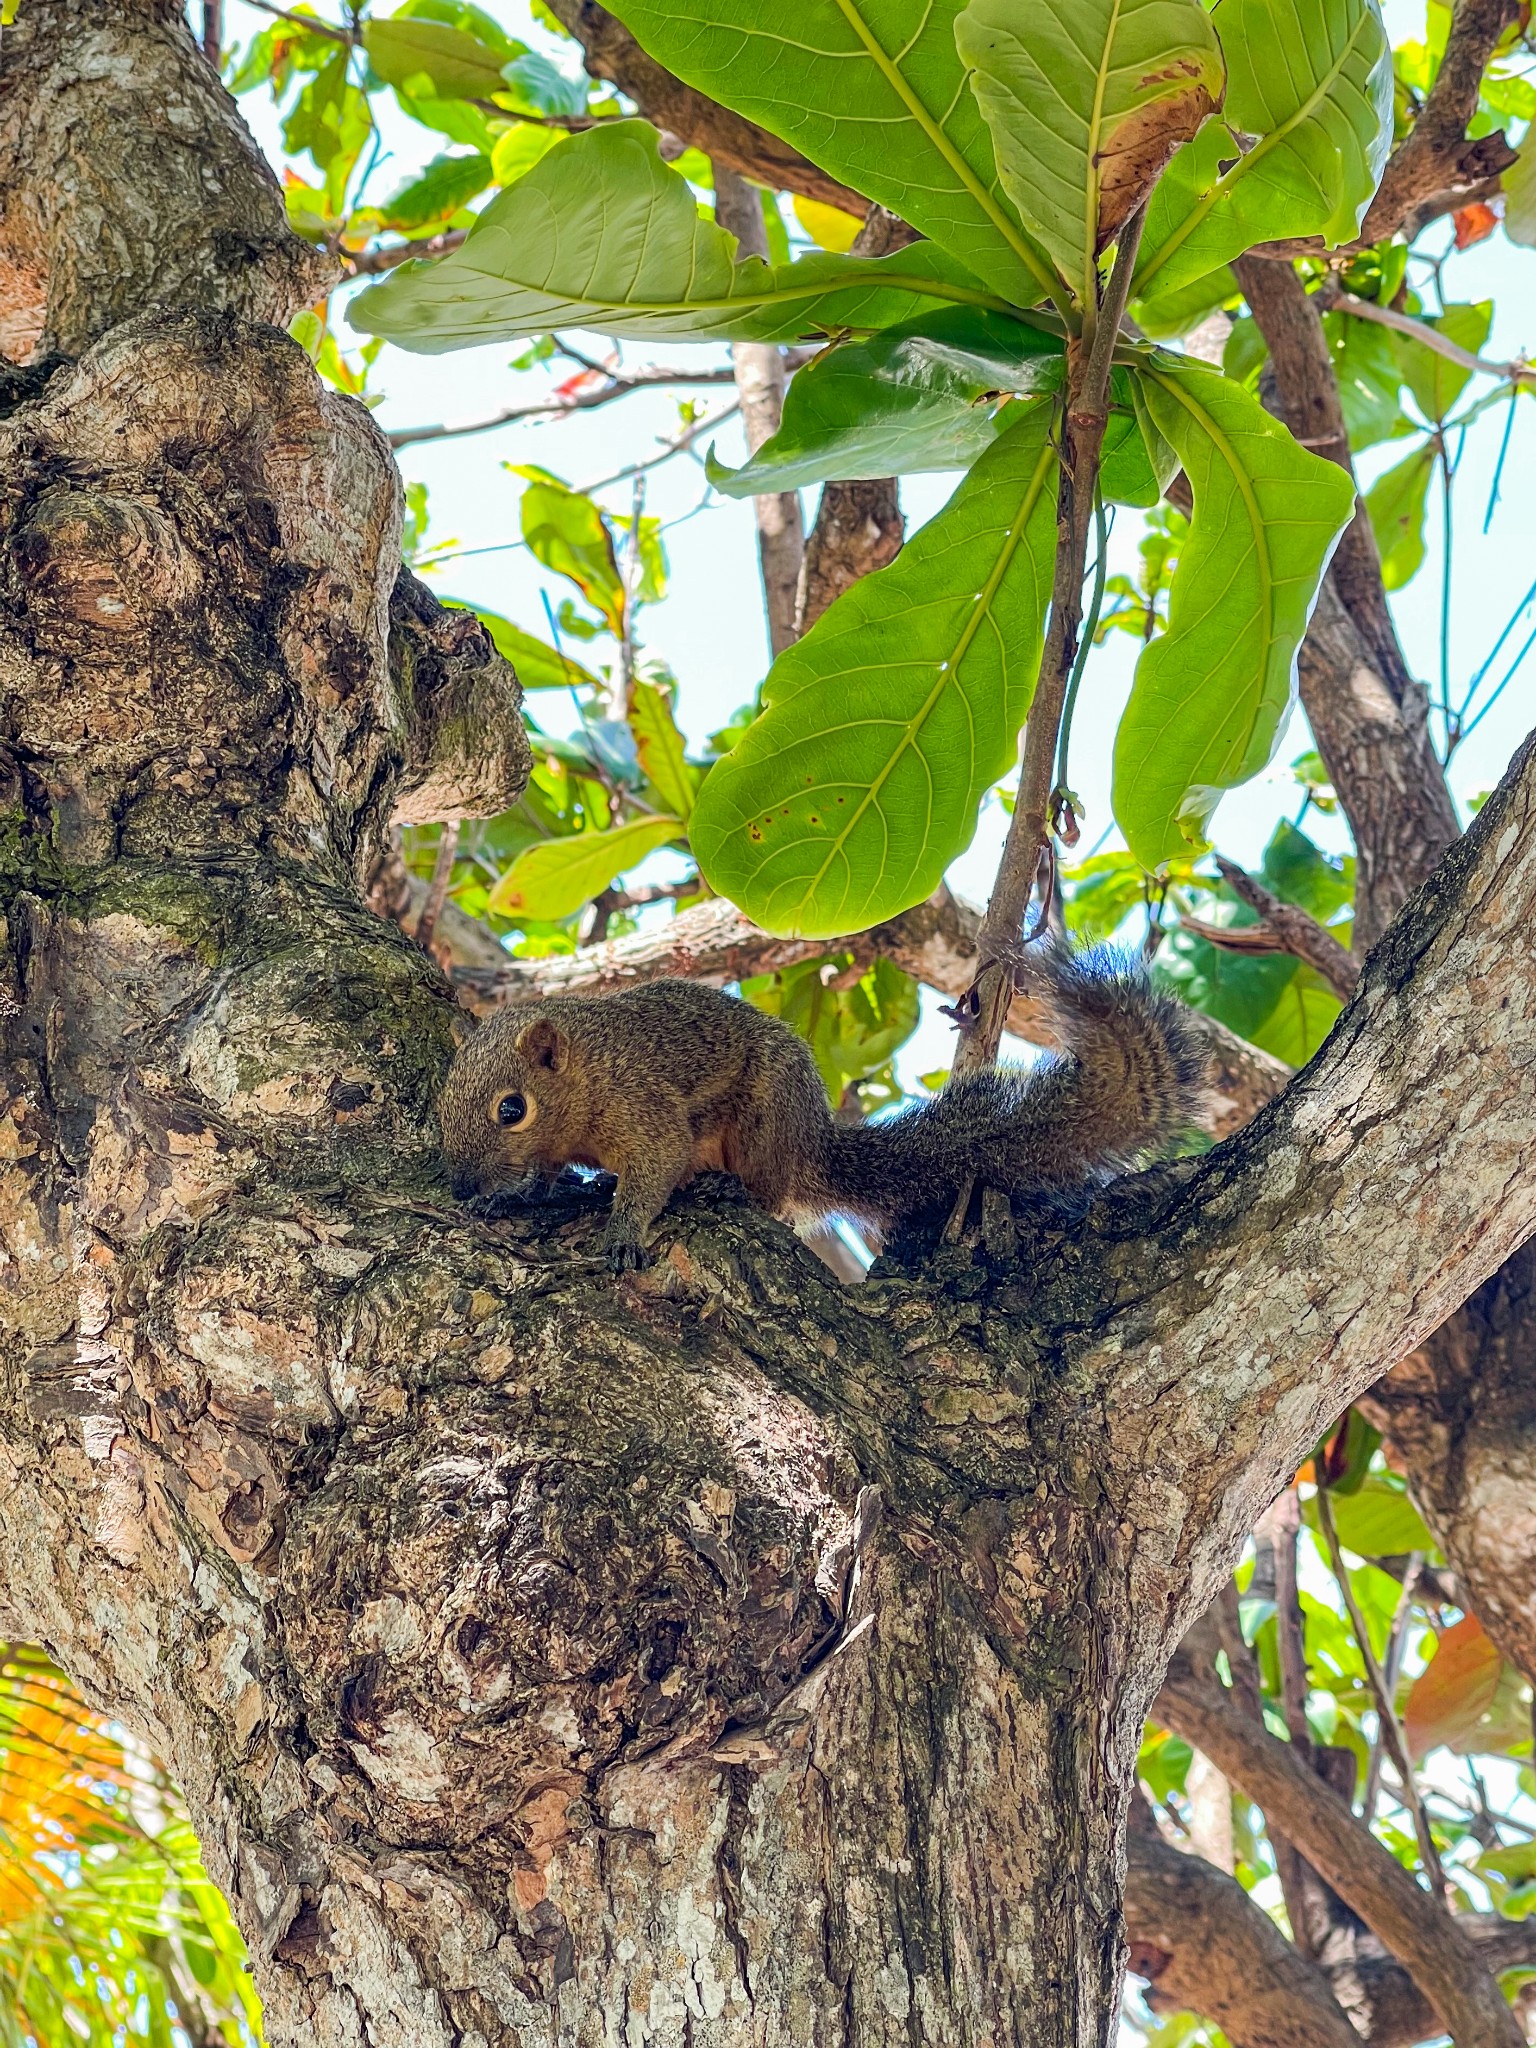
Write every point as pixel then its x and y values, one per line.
pixel 1333 298
pixel 1293 930
pixel 213 32
pixel 679 446
pixel 552 408
pixel 1397 1645
pixel 1082 436
pixel 1386 1712
pixel 437 894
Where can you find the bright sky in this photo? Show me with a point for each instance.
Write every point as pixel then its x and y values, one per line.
pixel 711 629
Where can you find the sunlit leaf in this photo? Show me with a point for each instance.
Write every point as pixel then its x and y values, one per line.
pixel 566 531
pixel 556 877
pixel 660 747
pixel 1396 503
pixel 874 92
pixel 828 226
pixel 886 725
pixel 442 61
pixel 853 1031
pixel 1212 695
pixel 1451 1703
pixel 1377 1521
pixel 1086 105
pixel 447 183
pixel 602 234
pixel 928 395
pixel 1310 86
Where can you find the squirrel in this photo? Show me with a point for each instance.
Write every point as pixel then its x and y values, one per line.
pixel 672 1078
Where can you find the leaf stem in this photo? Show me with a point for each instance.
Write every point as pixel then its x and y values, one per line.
pixel 1085 645
pixel 1390 1730
pixel 1084 414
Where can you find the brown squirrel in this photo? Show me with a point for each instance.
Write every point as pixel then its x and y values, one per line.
pixel 672 1078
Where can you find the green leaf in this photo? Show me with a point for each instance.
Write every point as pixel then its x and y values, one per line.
pixel 518 149
pixel 1369 376
pixel 1167 314
pixel 567 533
pixel 1312 81
pixel 1519 183
pixel 874 92
pixel 1212 694
pixel 602 234
pixel 1301 1019
pixel 1379 1520
pixel 456 119
pixel 539 666
pixel 1395 503
pixel 439 61
pixel 556 877
pixel 886 725
pixel 852 1032
pixel 660 747
pixel 1435 381
pixel 1296 869
pixel 1086 104
pixel 447 183
pixel 536 86
pixel 929 395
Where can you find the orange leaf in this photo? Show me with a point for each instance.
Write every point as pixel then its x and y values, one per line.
pixel 1455 1691
pixel 1474 223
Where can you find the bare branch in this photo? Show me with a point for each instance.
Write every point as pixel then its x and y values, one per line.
pixel 213 32
pixel 1331 296
pixel 1389 1729
pixel 437 892
pixel 620 386
pixel 1029 829
pixel 759 371
pixel 371 262
pixel 1284 929
pixel 1205 1947
pixel 1416 1927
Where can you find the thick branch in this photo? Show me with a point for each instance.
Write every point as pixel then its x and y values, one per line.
pixel 1207 1948
pixel 1416 1927
pixel 1393 1177
pixel 750 151
pixel 1368 714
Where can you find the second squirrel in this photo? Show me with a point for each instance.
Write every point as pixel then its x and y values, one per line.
pixel 672 1078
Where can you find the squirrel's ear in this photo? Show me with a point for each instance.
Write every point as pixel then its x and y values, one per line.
pixel 544 1044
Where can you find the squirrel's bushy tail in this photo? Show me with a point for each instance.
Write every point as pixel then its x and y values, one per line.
pixel 1131 1076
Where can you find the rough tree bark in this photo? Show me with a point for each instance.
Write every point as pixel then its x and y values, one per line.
pixel 721 1657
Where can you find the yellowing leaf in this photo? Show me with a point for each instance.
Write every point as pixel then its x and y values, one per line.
pixel 828 226
pixel 556 877
pixel 660 746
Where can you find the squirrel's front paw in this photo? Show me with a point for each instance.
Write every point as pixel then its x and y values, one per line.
pixel 625 1256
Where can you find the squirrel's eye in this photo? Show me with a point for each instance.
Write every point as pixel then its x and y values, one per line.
pixel 511 1110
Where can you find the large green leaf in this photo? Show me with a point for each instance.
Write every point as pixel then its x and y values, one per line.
pixel 457 63
pixel 874 92
pixel 1311 80
pixel 659 745
pixel 1435 381
pixel 602 234
pixel 1395 503
pixel 556 877
pixel 927 395
pixel 1212 694
pixel 886 725
pixel 1086 103
pixel 1377 1520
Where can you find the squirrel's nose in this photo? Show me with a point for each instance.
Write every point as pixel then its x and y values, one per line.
pixel 464 1184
